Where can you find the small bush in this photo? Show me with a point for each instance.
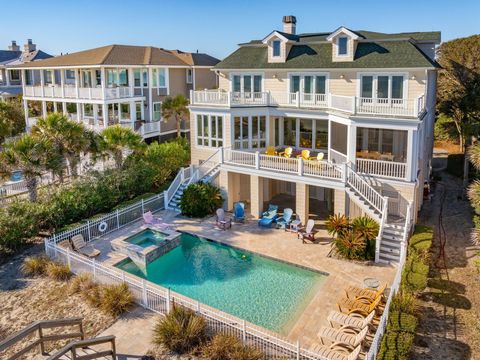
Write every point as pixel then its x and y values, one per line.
pixel 200 200
pixel 227 347
pixel 57 271
pixel 34 265
pixel 351 244
pixel 116 299
pixel 181 330
pixel 82 283
pixel 395 346
pixel 404 302
pixel 398 321
pixel 422 238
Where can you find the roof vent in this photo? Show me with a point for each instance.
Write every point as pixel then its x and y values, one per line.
pixel 289 24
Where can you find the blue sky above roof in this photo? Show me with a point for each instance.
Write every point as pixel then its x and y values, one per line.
pixel 217 26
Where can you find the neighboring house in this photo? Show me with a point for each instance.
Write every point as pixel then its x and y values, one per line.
pixel 116 84
pixel 363 99
pixel 10 78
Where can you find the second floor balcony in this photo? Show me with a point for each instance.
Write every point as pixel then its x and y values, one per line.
pixel 82 93
pixel 353 105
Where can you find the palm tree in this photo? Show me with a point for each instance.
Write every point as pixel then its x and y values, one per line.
pixel 29 155
pixel 175 108
pixel 69 138
pixel 114 140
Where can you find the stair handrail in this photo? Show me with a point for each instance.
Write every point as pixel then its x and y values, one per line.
pixel 196 174
pixel 379 205
pixel 74 345
pixel 406 233
pixel 383 221
pixel 174 185
pixel 38 327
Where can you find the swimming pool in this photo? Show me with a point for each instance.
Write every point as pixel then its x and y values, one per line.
pixel 266 292
pixel 146 238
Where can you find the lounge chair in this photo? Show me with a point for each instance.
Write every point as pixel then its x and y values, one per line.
pixel 285 220
pixel 319 157
pixel 155 222
pixel 239 212
pixel 361 306
pixel 305 155
pixel 348 336
pixel 286 153
pixel 308 233
pixel 221 221
pixel 354 292
pixel 270 151
pixel 353 320
pixel 338 352
pixel 79 245
pixel 269 216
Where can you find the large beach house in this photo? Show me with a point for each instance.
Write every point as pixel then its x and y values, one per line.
pixel 116 84
pixel 336 122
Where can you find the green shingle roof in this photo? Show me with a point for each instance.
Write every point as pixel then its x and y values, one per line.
pixel 378 54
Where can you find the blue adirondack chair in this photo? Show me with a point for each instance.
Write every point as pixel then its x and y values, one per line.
pixel 239 212
pixel 286 219
pixel 269 216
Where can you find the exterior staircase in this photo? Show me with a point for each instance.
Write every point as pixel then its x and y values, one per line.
pixel 391 242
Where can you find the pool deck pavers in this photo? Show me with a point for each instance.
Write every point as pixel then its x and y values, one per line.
pixel 280 245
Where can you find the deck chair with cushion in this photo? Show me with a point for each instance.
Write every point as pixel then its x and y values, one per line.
pixel 338 352
pixel 308 233
pixel 286 153
pixel 222 222
pixel 319 157
pixel 348 336
pixel 305 155
pixel 269 216
pixel 79 245
pixel 239 212
pixel 353 320
pixel 271 151
pixel 285 220
pixel 354 292
pixel 155 222
pixel 349 306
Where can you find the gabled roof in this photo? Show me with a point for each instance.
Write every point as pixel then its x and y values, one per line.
pixel 343 30
pixel 378 54
pixel 121 55
pixel 14 58
pixel 9 55
pixel 280 34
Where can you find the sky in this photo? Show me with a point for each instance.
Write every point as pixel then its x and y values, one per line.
pixel 217 26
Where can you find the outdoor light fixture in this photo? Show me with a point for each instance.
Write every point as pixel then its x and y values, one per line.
pixel 342 76
pixel 413 77
pixel 274 76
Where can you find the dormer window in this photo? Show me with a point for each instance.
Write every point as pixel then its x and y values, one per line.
pixel 342 46
pixel 276 48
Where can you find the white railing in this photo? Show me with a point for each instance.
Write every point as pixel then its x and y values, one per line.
pixel 150 127
pixel 383 221
pixel 401 107
pixel 337 157
pixel 175 184
pixel 87 93
pixel 250 98
pixel 382 325
pixel 365 190
pixel 281 164
pixel 390 169
pixel 342 103
pixel 210 97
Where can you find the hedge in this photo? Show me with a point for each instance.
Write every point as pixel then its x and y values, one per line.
pixel 402 322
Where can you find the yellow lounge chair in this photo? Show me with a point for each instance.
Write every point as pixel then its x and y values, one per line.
pixel 305 155
pixel 347 336
pixel 354 292
pixel 362 306
pixel 271 151
pixel 287 153
pixel 353 320
pixel 338 352
pixel 319 156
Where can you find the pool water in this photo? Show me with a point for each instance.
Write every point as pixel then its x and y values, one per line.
pixel 146 238
pixel 269 293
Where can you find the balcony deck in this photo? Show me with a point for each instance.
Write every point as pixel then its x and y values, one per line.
pixel 352 105
pixel 80 93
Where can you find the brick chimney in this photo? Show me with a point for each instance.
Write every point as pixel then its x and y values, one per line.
pixel 289 24
pixel 14 46
pixel 29 46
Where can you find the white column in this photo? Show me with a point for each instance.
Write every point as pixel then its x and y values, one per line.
pixel 132 111
pixel 119 112
pixel 95 114
pixel 44 108
pixel 64 108
pixel 25 110
pixel 55 106
pixel 79 112
pixel 150 102
pixel 62 82
pixel 7 77
pixel 105 114
pixel 351 143
pixel 410 156
pixel 77 84
pixel 42 82
pixel 103 81
pixel 130 80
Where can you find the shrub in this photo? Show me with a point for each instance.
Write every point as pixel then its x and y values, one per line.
pixel 116 299
pixel 57 271
pixel 81 283
pixel 181 330
pixel 337 224
pixel 227 347
pixel 422 238
pixel 398 321
pixel 395 346
pixel 404 302
pixel 200 200
pixel 34 265
pixel 351 244
pixel 368 229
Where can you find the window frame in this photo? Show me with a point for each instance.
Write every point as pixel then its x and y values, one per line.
pixel 279 43
pixel 301 84
pixel 189 76
pixel 159 112
pixel 14 71
pixel 209 141
pixel 375 76
pixel 252 82
pixel 347 39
